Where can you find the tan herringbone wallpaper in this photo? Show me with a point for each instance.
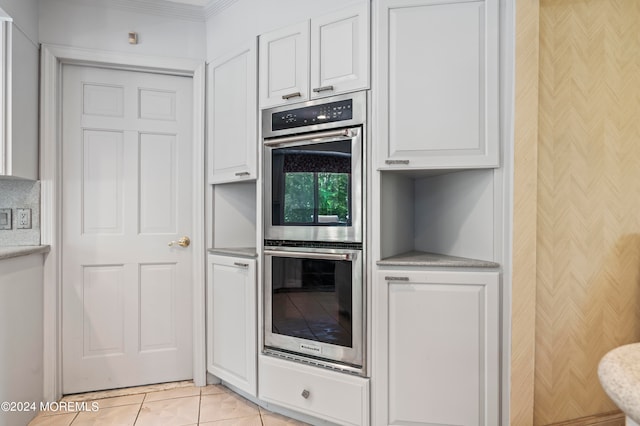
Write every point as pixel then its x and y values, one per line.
pixel 524 214
pixel 588 261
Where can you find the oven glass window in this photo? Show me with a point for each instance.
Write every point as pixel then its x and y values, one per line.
pixel 312 185
pixel 312 299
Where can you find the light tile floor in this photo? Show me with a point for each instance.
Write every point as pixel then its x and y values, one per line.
pixel 172 404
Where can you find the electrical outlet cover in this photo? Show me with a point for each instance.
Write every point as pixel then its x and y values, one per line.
pixel 23 219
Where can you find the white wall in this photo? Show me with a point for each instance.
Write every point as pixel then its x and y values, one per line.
pixel 95 26
pixel 25 16
pixel 249 18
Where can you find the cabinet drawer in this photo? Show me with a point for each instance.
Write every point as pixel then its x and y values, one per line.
pixel 336 397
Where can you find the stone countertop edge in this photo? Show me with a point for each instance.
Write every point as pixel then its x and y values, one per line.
pixel 7 252
pixel 420 258
pixel 248 252
pixel 619 374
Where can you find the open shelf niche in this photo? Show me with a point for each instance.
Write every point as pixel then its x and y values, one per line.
pixel 444 219
pixel 234 216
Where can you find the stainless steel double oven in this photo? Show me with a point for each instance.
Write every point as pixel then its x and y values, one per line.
pixel 313 190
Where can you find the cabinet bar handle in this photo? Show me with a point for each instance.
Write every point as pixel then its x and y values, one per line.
pixel 396 278
pixel 241 265
pixel 314 137
pixel 242 173
pixel 396 162
pixel 292 95
pixel 323 89
pixel 310 255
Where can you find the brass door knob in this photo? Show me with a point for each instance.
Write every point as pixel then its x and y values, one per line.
pixel 182 242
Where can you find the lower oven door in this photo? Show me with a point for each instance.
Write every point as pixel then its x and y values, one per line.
pixel 314 305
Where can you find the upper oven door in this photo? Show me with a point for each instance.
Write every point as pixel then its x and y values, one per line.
pixel 313 186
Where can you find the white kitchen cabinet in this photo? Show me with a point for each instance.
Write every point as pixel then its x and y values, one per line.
pixel 232 117
pixel 438 84
pixel 284 65
pixel 21 334
pixel 325 56
pixel 6 146
pixel 340 51
pixel 232 321
pixel 18 114
pixel 23 137
pixel 337 397
pixel 436 342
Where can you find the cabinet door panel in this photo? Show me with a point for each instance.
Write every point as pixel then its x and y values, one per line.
pixel 23 135
pixel 340 51
pixel 441 343
pixel 284 65
pixel 439 68
pixel 231 310
pixel 233 116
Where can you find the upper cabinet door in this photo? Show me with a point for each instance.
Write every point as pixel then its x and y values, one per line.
pixel 438 72
pixel 232 116
pixel 340 51
pixel 6 147
pixel 18 114
pixel 284 65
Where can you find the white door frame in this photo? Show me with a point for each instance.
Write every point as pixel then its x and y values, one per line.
pixel 52 59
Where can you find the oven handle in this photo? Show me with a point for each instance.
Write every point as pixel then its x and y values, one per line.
pixel 312 255
pixel 312 136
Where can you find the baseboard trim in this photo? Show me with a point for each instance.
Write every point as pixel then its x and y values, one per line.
pixel 612 418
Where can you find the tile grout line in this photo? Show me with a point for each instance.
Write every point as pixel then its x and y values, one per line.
pixel 139 409
pixel 199 405
pixel 200 396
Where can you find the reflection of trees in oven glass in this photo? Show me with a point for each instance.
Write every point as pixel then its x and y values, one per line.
pixel 298 198
pixel 333 195
pixel 332 192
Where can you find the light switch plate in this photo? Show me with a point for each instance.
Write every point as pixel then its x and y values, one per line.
pixel 23 219
pixel 5 218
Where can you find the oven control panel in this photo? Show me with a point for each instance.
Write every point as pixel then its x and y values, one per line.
pixel 312 115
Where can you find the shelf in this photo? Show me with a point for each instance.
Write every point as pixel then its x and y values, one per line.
pixel 234 215
pixel 248 252
pixel 421 258
pixel 451 214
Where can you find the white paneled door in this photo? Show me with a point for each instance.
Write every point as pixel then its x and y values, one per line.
pixel 127 192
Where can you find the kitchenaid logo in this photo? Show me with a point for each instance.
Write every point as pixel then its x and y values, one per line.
pixel 316 349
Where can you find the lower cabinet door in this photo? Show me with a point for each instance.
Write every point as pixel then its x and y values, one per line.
pixel 337 397
pixel 231 321
pixel 436 342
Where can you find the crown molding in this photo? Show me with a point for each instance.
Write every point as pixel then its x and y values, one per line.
pixel 167 8
pixel 160 7
pixel 216 6
pixel 164 8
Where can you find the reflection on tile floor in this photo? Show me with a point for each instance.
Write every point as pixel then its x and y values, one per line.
pixel 312 316
pixel 172 404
